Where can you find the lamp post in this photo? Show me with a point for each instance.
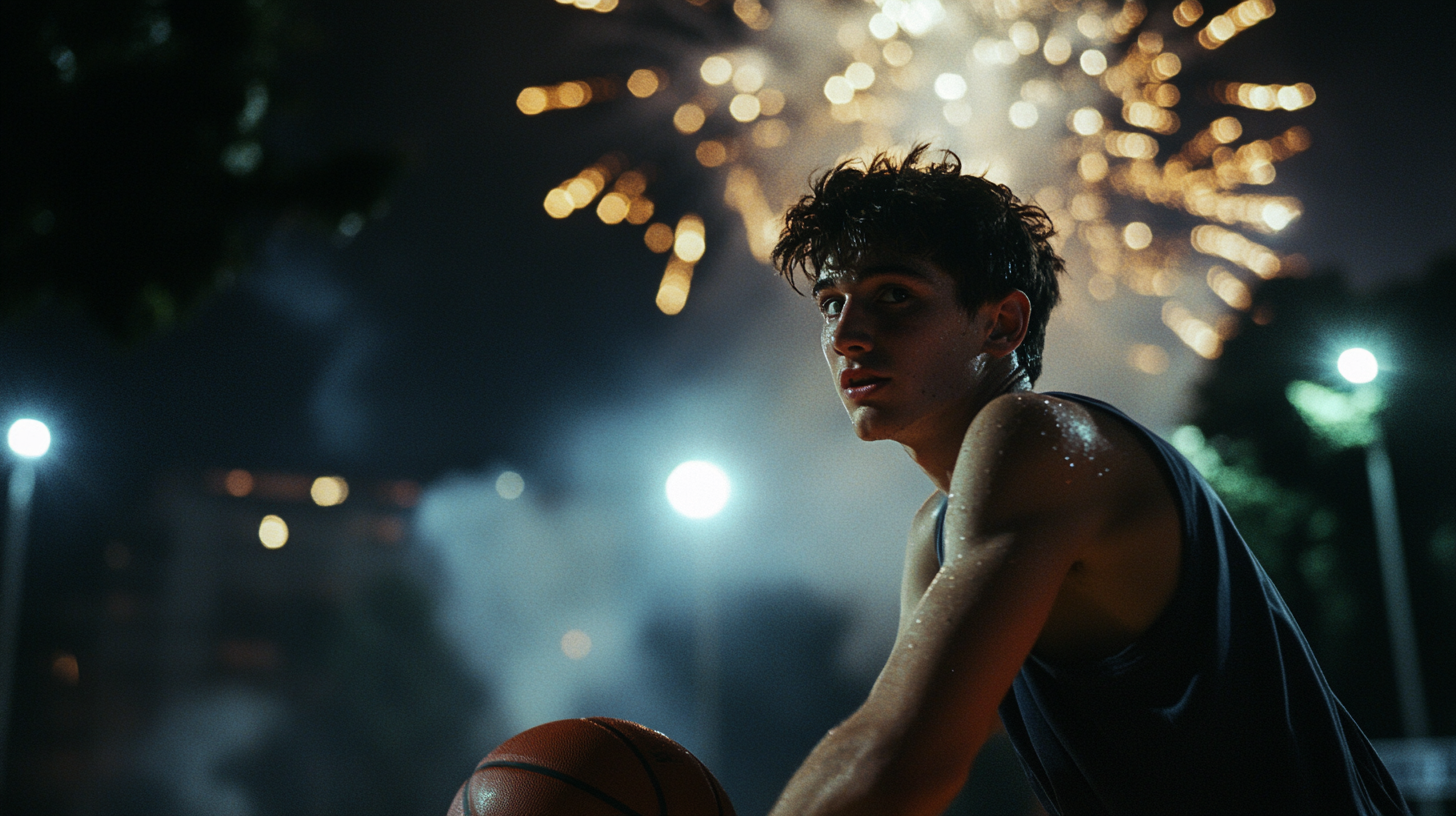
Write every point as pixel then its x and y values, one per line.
pixel 1421 765
pixel 29 440
pixel 700 490
pixel 1360 367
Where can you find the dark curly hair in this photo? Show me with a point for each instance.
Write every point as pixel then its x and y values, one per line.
pixel 974 229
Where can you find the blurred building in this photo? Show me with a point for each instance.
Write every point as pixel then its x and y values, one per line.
pixel 253 640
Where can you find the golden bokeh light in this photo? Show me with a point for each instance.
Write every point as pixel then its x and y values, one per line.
pixel 1118 86
pixel 328 491
pixel 643 83
pixel 1229 288
pixel 1187 13
pixel 839 90
pixel 770 133
pixel 1085 121
pixel 532 101
pixel 1093 62
pixel 658 237
pixel 273 532
pixel 1148 358
pixel 613 208
pixel 238 483
pixel 744 107
pixel 689 239
pixel 689 118
pixel 672 293
pixel 771 102
pixel 1092 167
pixel 748 79
pixel 716 70
pixel 711 153
pixel 1137 235
pixel 558 203
pixel 897 53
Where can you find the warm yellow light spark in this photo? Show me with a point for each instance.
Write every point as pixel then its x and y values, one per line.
pixel 753 14
pixel 1023 114
pixel 1187 13
pixel 1137 235
pixel 897 53
pixel 689 118
pixel 558 203
pixel 839 90
pixel 1194 333
pixel 748 79
pixel 770 133
pixel 672 293
pixel 1092 167
pixel 716 70
pixel 761 224
pixel 1165 66
pixel 658 237
pixel 1222 28
pixel 1024 37
pixel 860 75
pixel 1058 49
pixel 1259 259
pixel 711 153
pixel 643 83
pixel 613 208
pixel 1093 62
pixel 532 101
pixel 1228 287
pixel 1148 358
pixel 744 107
pixel 770 101
pixel 1086 121
pixel 689 240
pixel 1265 97
pixel 1225 129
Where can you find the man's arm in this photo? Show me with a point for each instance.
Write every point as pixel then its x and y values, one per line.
pixel 1025 503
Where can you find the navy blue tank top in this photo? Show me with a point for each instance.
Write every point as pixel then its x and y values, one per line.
pixel 1218 708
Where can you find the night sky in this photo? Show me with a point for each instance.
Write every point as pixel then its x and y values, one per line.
pixel 463 330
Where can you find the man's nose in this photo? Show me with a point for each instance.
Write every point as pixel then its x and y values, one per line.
pixel 853 331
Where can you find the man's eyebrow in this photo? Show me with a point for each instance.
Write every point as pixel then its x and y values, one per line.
pixel 871 272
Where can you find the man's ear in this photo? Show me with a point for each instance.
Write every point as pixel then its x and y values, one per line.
pixel 1010 318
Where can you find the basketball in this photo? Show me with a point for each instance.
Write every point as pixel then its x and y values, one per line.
pixel 591 766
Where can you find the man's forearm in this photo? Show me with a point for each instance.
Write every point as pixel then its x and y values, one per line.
pixel 853 770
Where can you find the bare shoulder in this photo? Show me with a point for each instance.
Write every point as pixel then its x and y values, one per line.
pixel 1033 451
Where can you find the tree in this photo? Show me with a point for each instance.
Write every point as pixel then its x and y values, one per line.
pixel 136 178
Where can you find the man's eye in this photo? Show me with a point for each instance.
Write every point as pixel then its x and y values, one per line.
pixel 831 306
pixel 894 294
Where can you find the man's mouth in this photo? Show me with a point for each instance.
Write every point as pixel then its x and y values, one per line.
pixel 860 383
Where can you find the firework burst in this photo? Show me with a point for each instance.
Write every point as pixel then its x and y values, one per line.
pixel 1156 189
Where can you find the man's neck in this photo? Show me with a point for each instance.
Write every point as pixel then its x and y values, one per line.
pixel 936 454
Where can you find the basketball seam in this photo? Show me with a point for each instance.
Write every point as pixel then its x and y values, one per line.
pixel 651 776
pixel 560 777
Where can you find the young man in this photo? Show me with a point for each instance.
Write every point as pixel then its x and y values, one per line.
pixel 1071 571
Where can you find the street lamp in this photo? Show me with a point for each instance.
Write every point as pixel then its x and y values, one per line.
pixel 29 440
pixel 1359 366
pixel 1351 420
pixel 700 490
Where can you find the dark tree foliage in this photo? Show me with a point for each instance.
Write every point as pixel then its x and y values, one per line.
pixel 1309 519
pixel 135 175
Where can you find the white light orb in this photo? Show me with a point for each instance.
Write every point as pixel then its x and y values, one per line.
pixel 1357 365
pixel 697 489
pixel 29 438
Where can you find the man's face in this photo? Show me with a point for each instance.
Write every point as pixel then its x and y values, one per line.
pixel 906 358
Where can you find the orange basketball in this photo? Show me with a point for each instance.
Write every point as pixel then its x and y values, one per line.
pixel 591 766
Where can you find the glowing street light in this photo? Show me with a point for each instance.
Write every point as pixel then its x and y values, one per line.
pixel 1357 365
pixel 698 489
pixel 29 439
